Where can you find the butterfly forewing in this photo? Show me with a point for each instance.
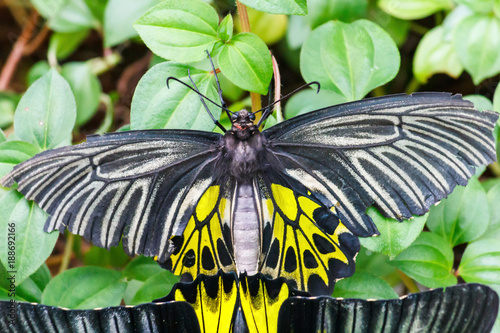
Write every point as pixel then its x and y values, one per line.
pixel 141 184
pixel 402 153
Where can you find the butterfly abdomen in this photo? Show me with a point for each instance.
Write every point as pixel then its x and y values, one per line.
pixel 246 231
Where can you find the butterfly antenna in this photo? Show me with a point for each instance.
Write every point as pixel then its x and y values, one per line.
pixel 201 96
pixel 267 109
pixel 219 90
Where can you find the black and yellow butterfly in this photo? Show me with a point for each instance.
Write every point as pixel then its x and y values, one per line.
pixel 286 202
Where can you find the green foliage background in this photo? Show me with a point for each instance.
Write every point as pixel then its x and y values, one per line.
pixel 354 48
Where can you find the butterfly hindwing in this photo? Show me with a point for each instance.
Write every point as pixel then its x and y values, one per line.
pixel 205 245
pixel 139 184
pixel 401 153
pixel 303 241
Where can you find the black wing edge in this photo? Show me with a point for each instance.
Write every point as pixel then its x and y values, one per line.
pixel 369 103
pixel 150 317
pixel 461 308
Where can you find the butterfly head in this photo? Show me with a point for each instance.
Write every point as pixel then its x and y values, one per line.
pixel 243 124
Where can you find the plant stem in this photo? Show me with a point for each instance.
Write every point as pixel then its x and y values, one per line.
pixel 419 29
pixel 245 27
pixel 408 282
pixel 17 52
pixel 108 119
pixel 495 168
pixel 35 43
pixel 277 90
pixel 412 86
pixel 68 249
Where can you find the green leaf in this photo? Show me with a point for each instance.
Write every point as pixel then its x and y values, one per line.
pixel 287 7
pixel 322 11
pixel 246 62
pixel 364 285
pixel 36 71
pixel 8 103
pixel 394 236
pixel 63 44
pixel 477 40
pixel 3 137
pixel 114 257
pixel 270 28
pixel 436 54
pixel 119 17
pixel 463 216
pixel 429 261
pixel 480 102
pixel 376 264
pixel 47 8
pixel 156 106
pixel 31 246
pixel 350 59
pixel 308 100
pixel 141 268
pixel 86 88
pixel 72 16
pixel 30 290
pixel 481 262
pixel 179 30
pixel 225 30
pixel 46 114
pixel 155 287
pixel 398 29
pixel 493 197
pixel 14 152
pixel 85 288
pixel 480 6
pixel 297 32
pixel 414 9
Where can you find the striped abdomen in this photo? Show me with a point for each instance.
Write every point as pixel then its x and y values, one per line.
pixel 246 231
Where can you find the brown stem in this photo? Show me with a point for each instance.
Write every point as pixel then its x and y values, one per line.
pixel 36 41
pixel 17 52
pixel 68 251
pixel 245 27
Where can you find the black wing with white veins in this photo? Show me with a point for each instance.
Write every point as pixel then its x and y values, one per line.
pixel 142 185
pixel 401 153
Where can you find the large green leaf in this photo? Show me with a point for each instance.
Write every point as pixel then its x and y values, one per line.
pixel 322 11
pixel 119 17
pixel 463 216
pixel 14 152
pixel 429 260
pixel 71 16
pixel 114 257
pixel 157 286
pixel 157 106
pixel 86 88
pixel 85 288
pixel 25 245
pixel 481 262
pixel 46 114
pixel 477 40
pixel 364 286
pixel 288 7
pixel 179 30
pixel 493 197
pixel 414 9
pixel 436 54
pixel 481 6
pixel 246 62
pixel 141 268
pixel 350 59
pixel 8 103
pixel 394 236
pixel 309 100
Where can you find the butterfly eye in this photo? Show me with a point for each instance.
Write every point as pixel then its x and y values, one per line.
pixel 235 116
pixel 251 116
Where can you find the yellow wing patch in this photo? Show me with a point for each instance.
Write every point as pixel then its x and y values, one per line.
pixel 305 241
pixel 217 301
pixel 204 246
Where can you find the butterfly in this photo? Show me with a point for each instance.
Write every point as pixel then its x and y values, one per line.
pixel 288 202
pixel 225 303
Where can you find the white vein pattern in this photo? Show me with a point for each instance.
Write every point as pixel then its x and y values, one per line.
pixel 129 185
pixel 400 153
